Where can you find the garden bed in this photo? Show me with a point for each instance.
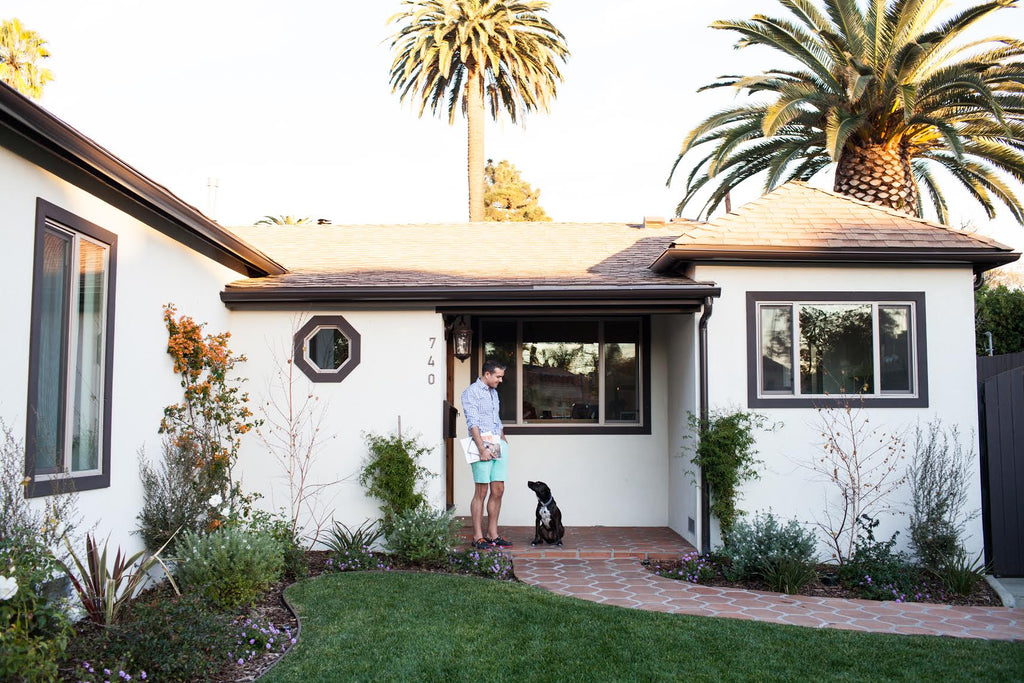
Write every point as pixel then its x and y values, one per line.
pixel 982 595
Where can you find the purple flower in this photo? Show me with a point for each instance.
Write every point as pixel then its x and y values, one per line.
pixel 241 661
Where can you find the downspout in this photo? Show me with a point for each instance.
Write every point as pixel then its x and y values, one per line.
pixel 705 494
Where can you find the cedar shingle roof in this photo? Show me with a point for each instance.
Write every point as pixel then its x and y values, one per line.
pixel 462 255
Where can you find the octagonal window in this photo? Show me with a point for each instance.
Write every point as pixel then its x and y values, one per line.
pixel 326 348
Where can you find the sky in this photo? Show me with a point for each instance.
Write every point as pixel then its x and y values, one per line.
pixel 288 109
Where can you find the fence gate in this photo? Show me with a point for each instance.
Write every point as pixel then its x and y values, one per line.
pixel 1002 469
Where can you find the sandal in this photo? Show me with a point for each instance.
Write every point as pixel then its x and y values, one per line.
pixel 482 544
pixel 501 542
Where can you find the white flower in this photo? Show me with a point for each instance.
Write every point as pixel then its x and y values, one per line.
pixel 8 587
pixel 216 500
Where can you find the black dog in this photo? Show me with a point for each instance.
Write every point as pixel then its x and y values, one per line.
pixel 549 518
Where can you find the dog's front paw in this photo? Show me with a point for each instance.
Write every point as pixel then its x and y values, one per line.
pixel 559 544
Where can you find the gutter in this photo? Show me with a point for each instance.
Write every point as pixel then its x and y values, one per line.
pixel 981 259
pixel 633 296
pixel 704 410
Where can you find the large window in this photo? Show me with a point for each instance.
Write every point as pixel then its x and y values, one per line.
pixel 821 348
pixel 570 374
pixel 70 353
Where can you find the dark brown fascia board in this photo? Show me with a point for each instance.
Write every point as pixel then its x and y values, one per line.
pixel 480 297
pixel 35 124
pixel 981 259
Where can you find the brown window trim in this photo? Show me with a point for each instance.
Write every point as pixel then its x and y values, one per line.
pixel 316 374
pixel 69 482
pixel 894 401
pixel 645 374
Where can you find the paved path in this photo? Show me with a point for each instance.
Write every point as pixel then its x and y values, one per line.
pixel 625 583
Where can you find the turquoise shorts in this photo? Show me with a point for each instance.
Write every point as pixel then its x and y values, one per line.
pixel 486 471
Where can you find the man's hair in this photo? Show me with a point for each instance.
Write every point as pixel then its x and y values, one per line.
pixel 490 366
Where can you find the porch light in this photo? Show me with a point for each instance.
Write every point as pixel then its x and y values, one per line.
pixel 462 337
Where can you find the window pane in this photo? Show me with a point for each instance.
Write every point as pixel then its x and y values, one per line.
pixel 560 361
pixel 622 372
pixel 499 340
pixel 836 349
pixel 328 348
pixel 88 405
pixel 777 349
pixel 897 374
pixel 51 399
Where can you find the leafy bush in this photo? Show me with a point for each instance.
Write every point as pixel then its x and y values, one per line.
pixel 999 310
pixel 164 637
pixel 392 475
pixel 423 536
pixel 172 498
pixel 491 565
pixel 725 455
pixel 876 570
pixel 276 526
pixel 939 474
pixel 230 567
pixel 33 628
pixel 761 547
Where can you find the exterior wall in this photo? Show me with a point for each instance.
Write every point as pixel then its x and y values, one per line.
pixel 786 486
pixel 608 480
pixel 390 382
pixel 152 270
pixel 682 391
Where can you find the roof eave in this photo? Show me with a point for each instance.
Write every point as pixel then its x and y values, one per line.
pixel 639 296
pixel 980 259
pixel 38 126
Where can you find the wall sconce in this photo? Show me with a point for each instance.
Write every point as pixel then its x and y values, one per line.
pixel 462 338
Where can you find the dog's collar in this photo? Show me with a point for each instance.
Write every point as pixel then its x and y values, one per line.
pixel 550 501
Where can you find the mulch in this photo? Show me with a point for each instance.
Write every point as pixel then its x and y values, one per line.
pixel 982 596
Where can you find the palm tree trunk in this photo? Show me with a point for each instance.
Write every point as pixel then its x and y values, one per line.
pixel 877 174
pixel 475 143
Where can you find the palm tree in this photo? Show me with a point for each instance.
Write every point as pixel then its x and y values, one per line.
pixel 888 93
pixel 20 49
pixel 465 53
pixel 284 220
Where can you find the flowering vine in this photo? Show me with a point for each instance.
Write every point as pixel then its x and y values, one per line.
pixel 210 421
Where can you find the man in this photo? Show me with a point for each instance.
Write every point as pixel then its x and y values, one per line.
pixel 480 405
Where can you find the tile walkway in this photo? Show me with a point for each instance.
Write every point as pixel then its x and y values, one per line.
pixel 623 582
pixel 597 542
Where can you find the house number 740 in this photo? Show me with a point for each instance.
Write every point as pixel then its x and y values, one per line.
pixel 431 377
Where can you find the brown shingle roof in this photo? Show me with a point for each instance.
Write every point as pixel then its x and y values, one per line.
pixel 798 215
pixel 462 255
pixel 799 222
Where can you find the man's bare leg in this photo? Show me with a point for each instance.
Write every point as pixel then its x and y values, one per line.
pixel 493 507
pixel 476 510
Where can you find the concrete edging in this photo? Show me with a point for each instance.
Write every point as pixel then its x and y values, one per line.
pixel 1004 595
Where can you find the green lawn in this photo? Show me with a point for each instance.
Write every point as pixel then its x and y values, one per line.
pixel 436 627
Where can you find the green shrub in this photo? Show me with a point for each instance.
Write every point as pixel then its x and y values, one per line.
pixel 391 474
pixel 296 565
pixel 423 536
pixel 351 550
pixel 939 475
pixel 33 628
pixel 876 570
pixel 172 497
pixel 765 545
pixel 725 453
pixel 959 574
pixel 230 567
pixel 170 638
pixel 788 574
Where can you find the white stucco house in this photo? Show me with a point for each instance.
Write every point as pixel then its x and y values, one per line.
pixel 612 334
